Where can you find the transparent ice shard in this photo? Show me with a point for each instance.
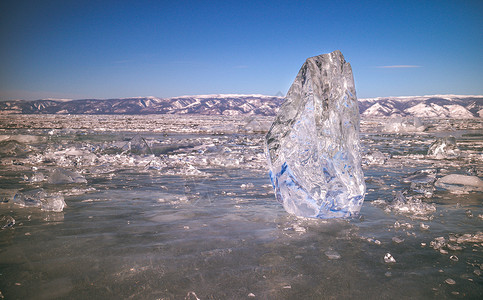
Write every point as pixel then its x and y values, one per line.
pixel 41 199
pixel 63 176
pixel 444 148
pixel 6 222
pixel 375 158
pixel 313 145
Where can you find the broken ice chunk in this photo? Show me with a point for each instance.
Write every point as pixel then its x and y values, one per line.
pixel 54 203
pixel 444 148
pixel 63 176
pixel 375 158
pixel 331 254
pixel 388 258
pixel 313 145
pixel 40 198
pixel 29 198
pixel 6 222
pixel 460 184
pixel 422 181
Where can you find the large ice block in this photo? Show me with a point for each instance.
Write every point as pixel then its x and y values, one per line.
pixel 313 145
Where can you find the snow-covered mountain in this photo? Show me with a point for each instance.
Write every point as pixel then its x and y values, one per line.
pixel 436 106
pixel 202 104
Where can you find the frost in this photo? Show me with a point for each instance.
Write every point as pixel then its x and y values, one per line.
pixel 313 145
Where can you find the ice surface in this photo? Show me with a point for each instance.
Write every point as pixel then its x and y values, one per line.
pixel 313 145
pixel 444 148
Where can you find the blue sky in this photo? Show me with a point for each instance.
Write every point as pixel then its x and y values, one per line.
pixel 108 49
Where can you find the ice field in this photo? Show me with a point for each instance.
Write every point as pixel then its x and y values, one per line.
pixel 181 207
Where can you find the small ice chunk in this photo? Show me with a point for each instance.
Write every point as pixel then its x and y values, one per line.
pixel 6 222
pixel 375 158
pixel 12 148
pixel 423 226
pixel 247 186
pixel 397 240
pixel 192 296
pixel 450 281
pixel 460 184
pixel 53 203
pixel 438 243
pixel 331 254
pixel 29 198
pixel 422 181
pixel 40 198
pixel 471 238
pixel 444 148
pixel 63 176
pixel 388 258
pixel 37 177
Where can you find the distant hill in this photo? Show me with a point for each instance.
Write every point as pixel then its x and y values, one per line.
pixel 436 106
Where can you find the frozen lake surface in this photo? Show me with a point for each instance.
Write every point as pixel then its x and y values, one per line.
pixel 181 207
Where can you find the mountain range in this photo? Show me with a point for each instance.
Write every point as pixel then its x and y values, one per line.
pixel 435 106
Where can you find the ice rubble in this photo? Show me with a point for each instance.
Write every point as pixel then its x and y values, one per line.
pixel 41 199
pixel 413 207
pixel 313 145
pixel 444 148
pixel 456 242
